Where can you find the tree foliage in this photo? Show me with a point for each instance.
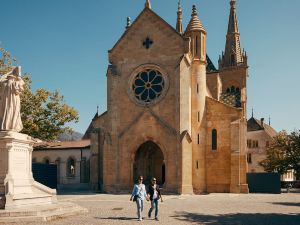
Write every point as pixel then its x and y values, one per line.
pixel 44 114
pixel 284 153
pixel 6 61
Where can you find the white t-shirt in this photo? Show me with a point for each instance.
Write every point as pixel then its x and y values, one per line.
pixel 155 194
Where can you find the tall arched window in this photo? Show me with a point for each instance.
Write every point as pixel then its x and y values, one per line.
pixel 214 139
pixel 71 165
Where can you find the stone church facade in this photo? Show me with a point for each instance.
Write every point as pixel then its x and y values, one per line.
pixel 171 114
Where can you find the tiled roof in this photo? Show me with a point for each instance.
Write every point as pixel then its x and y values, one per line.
pixel 232 98
pixel 210 66
pixel 255 125
pixel 62 145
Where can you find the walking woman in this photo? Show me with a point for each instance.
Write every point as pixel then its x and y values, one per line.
pixel 138 195
pixel 154 193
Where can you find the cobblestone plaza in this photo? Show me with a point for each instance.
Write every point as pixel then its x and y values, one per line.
pixel 213 209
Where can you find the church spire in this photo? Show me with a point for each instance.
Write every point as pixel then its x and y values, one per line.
pixel 233 55
pixel 195 23
pixel 196 32
pixel 148 4
pixel 179 27
pixel 233 23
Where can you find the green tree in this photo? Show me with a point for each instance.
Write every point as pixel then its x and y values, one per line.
pixel 44 114
pixel 283 154
pixel 6 61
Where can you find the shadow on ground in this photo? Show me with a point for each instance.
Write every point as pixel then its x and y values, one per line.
pixel 239 218
pixel 72 192
pixel 287 203
pixel 116 218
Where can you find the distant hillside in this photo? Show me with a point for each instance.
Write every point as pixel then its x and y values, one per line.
pixel 70 136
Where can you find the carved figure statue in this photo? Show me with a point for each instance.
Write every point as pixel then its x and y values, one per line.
pixel 11 86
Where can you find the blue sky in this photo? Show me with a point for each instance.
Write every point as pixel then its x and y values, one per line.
pixel 63 44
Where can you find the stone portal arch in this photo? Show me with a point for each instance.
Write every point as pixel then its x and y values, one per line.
pixel 149 162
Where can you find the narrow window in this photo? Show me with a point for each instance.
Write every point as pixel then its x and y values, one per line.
pixel 198 116
pixel 71 167
pixel 198 139
pixel 253 144
pixel 197 45
pixel 249 158
pixel 214 139
pixel 197 88
pixel 197 164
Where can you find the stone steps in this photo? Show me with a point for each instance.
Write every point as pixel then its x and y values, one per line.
pixel 41 213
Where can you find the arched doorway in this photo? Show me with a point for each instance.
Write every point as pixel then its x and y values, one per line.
pixel 149 162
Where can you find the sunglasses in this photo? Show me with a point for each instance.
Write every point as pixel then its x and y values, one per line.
pixel 140 179
pixel 153 180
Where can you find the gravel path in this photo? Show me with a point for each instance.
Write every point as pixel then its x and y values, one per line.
pixel 212 209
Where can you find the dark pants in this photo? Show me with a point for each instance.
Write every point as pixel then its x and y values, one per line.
pixel 154 205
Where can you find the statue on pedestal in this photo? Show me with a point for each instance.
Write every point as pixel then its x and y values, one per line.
pixel 17 185
pixel 11 86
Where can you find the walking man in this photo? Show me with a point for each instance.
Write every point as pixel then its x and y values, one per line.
pixel 155 195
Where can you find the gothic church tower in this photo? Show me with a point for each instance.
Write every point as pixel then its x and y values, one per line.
pixel 197 34
pixel 233 65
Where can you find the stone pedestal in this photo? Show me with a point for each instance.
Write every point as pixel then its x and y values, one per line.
pixel 17 186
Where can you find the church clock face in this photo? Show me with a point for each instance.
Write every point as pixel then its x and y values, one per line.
pixel 148 86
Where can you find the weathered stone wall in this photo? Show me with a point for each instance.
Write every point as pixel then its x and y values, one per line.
pixel 214 84
pixel 237 77
pixel 219 162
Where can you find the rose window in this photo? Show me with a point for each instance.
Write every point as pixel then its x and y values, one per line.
pixel 148 86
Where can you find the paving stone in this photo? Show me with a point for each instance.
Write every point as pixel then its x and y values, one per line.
pixel 212 209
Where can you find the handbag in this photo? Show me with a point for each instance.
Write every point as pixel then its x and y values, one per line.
pixel 135 198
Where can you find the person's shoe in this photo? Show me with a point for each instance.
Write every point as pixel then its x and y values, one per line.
pixel 149 215
pixel 140 219
pixel 156 219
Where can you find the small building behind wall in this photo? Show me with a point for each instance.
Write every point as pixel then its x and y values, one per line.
pixel 72 159
pixel 259 137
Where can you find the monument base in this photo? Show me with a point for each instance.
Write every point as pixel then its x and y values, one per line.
pixel 40 213
pixel 16 180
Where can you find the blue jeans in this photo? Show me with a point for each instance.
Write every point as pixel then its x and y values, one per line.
pixel 154 204
pixel 140 207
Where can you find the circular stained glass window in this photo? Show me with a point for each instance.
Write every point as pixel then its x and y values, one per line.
pixel 148 85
